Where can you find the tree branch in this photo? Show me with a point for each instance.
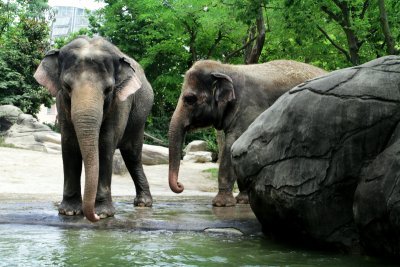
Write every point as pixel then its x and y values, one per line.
pixel 390 42
pixel 260 40
pixel 216 42
pixel 364 10
pixel 192 41
pixel 342 50
pixel 332 15
pixel 232 54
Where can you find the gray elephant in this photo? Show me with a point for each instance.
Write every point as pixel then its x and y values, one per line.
pixel 228 97
pixel 103 100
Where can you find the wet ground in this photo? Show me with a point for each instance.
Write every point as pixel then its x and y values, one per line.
pixel 31 189
pixel 190 213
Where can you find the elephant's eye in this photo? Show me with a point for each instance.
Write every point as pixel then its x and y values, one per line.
pixel 67 87
pixel 108 90
pixel 190 99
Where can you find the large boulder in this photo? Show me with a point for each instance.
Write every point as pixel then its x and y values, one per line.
pixel 151 155
pixel 197 151
pixel 24 131
pixel 154 155
pixel 196 146
pixel 8 117
pixel 322 164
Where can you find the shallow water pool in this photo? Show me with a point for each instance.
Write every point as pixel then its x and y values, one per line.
pixel 38 245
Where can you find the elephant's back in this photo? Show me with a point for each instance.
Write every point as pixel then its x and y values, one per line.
pixel 295 69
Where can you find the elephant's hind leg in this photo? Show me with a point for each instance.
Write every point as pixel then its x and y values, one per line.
pixel 243 196
pixel 133 162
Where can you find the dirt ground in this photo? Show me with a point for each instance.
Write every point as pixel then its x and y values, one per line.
pixel 28 172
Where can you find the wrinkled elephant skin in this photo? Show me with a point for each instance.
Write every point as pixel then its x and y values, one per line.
pixel 103 100
pixel 228 97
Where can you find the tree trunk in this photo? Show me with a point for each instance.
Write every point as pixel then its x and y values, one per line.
pixel 390 43
pixel 254 54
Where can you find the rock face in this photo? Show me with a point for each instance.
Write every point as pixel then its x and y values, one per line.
pixel 8 116
pixel 154 155
pixel 196 146
pixel 24 131
pixel 323 162
pixel 197 152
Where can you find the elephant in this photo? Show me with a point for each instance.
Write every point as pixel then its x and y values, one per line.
pixel 228 97
pixel 103 99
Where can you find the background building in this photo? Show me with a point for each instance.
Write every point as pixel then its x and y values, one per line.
pixel 71 16
pixel 68 20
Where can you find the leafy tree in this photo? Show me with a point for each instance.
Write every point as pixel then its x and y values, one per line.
pixel 332 34
pixel 23 41
pixel 167 37
pixel 388 37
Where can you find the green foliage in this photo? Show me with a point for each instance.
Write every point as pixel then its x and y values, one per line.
pixel 209 135
pixel 23 40
pixel 167 36
pixel 330 34
pixel 213 172
pixel 55 127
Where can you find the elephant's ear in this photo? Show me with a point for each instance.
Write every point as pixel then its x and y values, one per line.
pixel 223 88
pixel 47 72
pixel 127 81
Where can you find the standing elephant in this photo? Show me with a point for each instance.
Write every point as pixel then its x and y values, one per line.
pixel 228 97
pixel 103 100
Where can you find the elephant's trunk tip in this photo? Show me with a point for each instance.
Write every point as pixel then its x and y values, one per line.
pixel 91 216
pixel 176 187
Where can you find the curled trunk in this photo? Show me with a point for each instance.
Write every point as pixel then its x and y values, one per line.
pixel 176 136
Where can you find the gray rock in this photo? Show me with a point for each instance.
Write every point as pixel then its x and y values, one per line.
pixel 198 157
pixel 196 146
pixel 28 133
pixel 8 116
pixel 151 155
pixel 154 155
pixel 197 151
pixel 322 163
pixel 224 230
pixel 119 167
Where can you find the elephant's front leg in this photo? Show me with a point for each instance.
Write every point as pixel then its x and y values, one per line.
pixel 72 164
pixel 226 178
pixel 104 206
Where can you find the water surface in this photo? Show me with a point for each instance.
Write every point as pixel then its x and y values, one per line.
pixel 38 245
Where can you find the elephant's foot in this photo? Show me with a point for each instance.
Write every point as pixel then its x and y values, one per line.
pixel 143 199
pixel 224 199
pixel 104 209
pixel 242 198
pixel 70 206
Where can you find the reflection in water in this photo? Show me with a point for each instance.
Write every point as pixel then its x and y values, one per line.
pixel 29 245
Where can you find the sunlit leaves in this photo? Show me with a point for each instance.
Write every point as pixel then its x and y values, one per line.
pixel 23 41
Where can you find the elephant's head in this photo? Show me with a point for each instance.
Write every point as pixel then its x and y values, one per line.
pixel 207 92
pixel 89 75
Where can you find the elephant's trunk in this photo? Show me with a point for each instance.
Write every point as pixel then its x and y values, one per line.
pixel 176 135
pixel 86 115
